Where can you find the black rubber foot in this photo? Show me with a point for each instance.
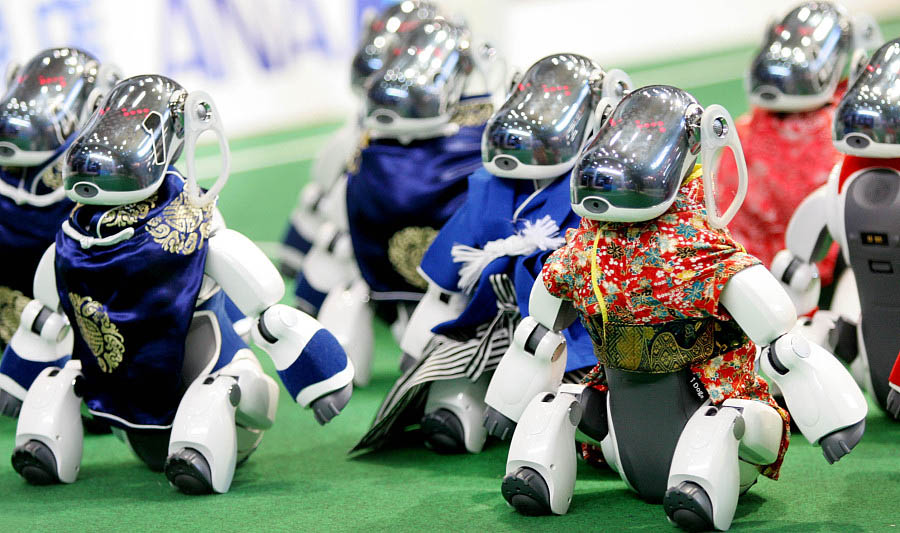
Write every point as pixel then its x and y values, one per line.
pixel 9 404
pixel 35 462
pixel 188 471
pixel 443 432
pixel 527 492
pixel 839 443
pixel 689 507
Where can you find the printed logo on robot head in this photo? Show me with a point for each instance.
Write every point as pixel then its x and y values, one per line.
pixel 125 149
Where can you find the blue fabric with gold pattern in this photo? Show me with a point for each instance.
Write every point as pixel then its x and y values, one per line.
pixel 130 303
pixel 398 198
pixel 27 230
pixel 488 215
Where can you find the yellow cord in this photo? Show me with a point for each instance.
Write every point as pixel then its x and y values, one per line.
pixel 599 295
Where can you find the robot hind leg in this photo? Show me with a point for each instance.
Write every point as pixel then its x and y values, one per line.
pixel 49 434
pixel 205 445
pixel 453 415
pixel 541 465
pixel 707 472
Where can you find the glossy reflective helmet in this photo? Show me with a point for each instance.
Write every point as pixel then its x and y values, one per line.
pixel 417 91
pixel 549 115
pixel 632 170
pixel 802 58
pixel 46 101
pixel 867 120
pixel 381 35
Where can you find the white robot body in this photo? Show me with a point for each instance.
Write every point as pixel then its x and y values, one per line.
pixel 464 399
pixel 435 307
pixel 348 316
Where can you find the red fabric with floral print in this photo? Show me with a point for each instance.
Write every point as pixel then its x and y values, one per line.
pixel 671 268
pixel 789 155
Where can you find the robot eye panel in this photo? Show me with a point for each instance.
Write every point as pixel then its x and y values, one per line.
pixel 125 145
pixel 547 115
pixel 383 33
pixel 867 120
pixel 43 104
pixel 637 160
pixel 424 75
pixel 802 56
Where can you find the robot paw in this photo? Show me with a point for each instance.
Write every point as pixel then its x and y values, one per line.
pixel 443 432
pixel 893 404
pixel 330 405
pixel 9 404
pixel 35 462
pixel 188 471
pixel 839 443
pixel 527 492
pixel 689 507
pixel 497 424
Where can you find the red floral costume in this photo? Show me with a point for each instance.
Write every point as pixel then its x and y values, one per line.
pixel 789 155
pixel 660 282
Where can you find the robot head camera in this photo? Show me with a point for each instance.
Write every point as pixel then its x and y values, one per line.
pixel 804 55
pixel 867 120
pixel 381 34
pixel 142 126
pixel 47 100
pixel 550 114
pixel 416 93
pixel 631 171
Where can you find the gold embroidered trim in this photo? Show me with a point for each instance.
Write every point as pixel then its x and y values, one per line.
pixel 128 214
pixel 100 335
pixel 181 228
pixel 12 302
pixel 473 113
pixel 405 251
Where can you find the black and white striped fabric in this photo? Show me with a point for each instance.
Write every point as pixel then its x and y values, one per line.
pixel 446 358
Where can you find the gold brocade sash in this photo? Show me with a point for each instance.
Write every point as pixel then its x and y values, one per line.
pixel 662 348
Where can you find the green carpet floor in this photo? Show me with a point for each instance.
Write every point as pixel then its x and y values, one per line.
pixel 301 478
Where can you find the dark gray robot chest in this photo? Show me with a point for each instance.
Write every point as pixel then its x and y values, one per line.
pixel 872 228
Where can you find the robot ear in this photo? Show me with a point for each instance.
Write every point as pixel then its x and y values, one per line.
pixel 12 70
pixel 616 84
pixel 857 63
pixel 717 132
pixel 492 68
pixel 866 32
pixel 107 77
pixel 201 115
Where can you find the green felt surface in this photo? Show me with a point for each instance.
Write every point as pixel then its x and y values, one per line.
pixel 301 478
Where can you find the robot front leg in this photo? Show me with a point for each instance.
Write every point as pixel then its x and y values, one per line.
pixel 219 422
pixel 707 474
pixel 541 465
pixel 453 414
pixel 347 314
pixel 49 434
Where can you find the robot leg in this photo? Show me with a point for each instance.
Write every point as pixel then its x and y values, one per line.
pixel 346 313
pixel 49 434
pixel 822 397
pixel 453 414
pixel 706 475
pixel 540 468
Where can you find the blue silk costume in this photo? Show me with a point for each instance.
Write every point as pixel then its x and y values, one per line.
pixel 27 230
pixel 398 198
pixel 131 303
pixel 487 215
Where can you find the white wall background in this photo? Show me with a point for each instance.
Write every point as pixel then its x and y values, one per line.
pixel 278 63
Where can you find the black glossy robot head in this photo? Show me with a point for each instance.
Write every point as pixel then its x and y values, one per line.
pixel 549 115
pixel 417 91
pixel 126 147
pixel 802 58
pixel 632 170
pixel 46 102
pixel 867 120
pixel 381 36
